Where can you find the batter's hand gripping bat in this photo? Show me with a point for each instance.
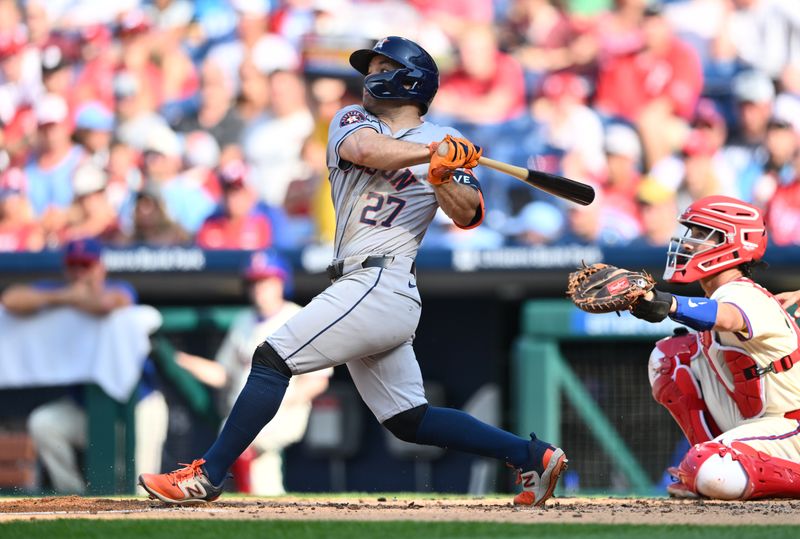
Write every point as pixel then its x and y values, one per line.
pixel 572 190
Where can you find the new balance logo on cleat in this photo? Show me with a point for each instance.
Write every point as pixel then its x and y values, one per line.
pixel 186 485
pixel 537 487
pixel 195 490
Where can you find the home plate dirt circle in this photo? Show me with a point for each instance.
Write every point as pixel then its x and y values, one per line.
pixel 369 508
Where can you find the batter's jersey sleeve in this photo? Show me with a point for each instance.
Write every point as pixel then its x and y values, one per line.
pixel 346 122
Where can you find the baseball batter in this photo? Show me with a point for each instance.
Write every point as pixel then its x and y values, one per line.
pixel 387 180
pixel 732 385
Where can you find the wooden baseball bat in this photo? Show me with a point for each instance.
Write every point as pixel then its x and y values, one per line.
pixel 571 190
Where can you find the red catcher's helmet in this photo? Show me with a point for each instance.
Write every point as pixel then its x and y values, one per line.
pixel 735 229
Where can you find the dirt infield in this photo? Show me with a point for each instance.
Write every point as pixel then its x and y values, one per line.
pixel 577 510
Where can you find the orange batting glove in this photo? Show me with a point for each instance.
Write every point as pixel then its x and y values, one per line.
pixel 460 153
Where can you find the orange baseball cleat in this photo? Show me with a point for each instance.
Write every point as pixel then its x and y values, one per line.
pixel 539 482
pixel 186 485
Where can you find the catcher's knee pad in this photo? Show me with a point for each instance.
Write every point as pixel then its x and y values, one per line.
pixel 266 356
pixel 712 469
pixel 676 388
pixel 406 424
pixel 738 472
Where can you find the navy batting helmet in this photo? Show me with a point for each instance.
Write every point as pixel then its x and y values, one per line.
pixel 417 80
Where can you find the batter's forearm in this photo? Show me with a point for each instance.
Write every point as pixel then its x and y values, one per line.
pixel 458 201
pixel 370 149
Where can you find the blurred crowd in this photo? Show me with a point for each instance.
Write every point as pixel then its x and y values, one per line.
pixel 169 122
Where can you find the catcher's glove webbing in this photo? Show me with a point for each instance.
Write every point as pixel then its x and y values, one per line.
pixel 601 288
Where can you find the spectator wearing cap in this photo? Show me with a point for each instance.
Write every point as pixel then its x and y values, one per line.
pixel 19 231
pixel 239 223
pixel 623 153
pixel 59 428
pixel 266 277
pixel 658 211
pixel 779 168
pixel 538 223
pixel 57 74
pixel 134 111
pixel 50 169
pixel 656 88
pixel 94 125
pixel 707 118
pixel 91 214
pixel 754 93
pixel 273 143
pixel 570 125
pixel 216 114
pixel 185 199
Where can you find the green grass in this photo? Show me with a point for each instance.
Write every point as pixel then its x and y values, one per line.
pixel 216 529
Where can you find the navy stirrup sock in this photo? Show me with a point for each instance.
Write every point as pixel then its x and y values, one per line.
pixel 256 405
pixel 454 429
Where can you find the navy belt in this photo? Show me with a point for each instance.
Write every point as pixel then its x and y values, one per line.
pixel 336 270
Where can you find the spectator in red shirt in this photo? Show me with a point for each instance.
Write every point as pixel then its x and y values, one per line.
pixel 657 87
pixel 19 231
pixel 783 214
pixel 781 180
pixel 488 87
pixel 540 33
pixel 239 223
pixel 96 79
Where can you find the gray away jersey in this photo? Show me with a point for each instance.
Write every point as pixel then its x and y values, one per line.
pixel 380 211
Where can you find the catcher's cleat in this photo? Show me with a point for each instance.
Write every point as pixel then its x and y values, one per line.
pixel 186 485
pixel 539 481
pixel 678 489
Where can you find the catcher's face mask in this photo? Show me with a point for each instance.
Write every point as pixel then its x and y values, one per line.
pixel 721 233
pixel 685 252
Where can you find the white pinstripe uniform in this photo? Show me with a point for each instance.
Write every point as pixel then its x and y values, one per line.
pixel 771 335
pixel 367 318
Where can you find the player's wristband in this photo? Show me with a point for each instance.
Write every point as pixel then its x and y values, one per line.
pixel 697 313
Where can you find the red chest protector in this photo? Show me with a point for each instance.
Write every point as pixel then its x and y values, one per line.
pixel 748 389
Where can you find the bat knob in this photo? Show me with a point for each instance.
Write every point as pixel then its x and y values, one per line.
pixel 442 149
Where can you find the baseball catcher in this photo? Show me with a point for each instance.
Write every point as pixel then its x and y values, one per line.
pixel 731 384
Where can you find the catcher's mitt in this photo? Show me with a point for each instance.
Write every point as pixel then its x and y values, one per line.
pixel 601 288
